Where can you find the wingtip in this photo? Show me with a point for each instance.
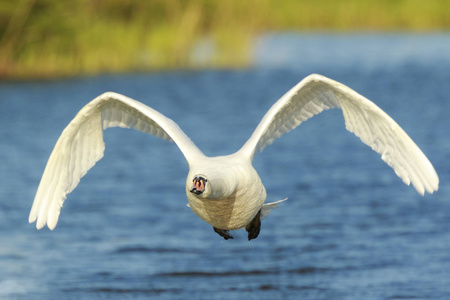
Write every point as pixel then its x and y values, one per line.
pixel 52 220
pixel 422 190
pixel 31 219
pixel 39 226
pixel 41 221
pixel 433 189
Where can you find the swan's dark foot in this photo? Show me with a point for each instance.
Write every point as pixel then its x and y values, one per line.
pixel 223 233
pixel 254 227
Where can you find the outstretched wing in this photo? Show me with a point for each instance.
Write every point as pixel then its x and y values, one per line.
pixel 81 145
pixel 373 126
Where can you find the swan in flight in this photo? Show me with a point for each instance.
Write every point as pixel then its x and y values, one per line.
pixel 225 191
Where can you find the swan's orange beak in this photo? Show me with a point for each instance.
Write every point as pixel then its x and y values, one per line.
pixel 198 185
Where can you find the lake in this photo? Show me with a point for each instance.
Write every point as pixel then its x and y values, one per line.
pixel 349 230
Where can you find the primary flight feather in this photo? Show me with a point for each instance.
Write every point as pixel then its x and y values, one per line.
pixel 225 191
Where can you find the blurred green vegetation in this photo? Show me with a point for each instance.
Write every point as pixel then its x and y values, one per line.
pixel 50 38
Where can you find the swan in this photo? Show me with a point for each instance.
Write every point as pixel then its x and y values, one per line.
pixel 225 191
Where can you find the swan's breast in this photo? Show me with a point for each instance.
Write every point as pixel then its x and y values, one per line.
pixel 231 213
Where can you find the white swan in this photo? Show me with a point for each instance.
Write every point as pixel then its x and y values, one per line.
pixel 225 191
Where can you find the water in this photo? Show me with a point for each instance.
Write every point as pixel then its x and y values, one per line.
pixel 350 229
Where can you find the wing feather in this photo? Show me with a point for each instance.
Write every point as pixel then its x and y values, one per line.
pixel 373 126
pixel 81 145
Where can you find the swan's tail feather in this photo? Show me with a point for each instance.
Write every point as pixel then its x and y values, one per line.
pixel 265 210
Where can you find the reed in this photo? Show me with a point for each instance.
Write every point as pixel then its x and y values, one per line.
pixel 50 38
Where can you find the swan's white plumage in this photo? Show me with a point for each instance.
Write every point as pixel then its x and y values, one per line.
pixel 373 126
pixel 81 145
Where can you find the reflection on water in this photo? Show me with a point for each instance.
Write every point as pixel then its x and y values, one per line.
pixel 350 229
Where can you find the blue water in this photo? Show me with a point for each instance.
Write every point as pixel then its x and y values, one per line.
pixel 350 229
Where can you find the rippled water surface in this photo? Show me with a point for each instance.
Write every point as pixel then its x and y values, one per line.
pixel 350 229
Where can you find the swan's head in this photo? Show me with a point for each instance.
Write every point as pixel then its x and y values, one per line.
pixel 199 185
pixel 216 185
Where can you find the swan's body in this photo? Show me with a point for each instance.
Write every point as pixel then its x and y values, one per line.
pixel 225 191
pixel 240 196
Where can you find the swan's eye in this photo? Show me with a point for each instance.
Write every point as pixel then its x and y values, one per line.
pixel 198 185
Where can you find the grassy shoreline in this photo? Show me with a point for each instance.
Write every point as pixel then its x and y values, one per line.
pixel 52 38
